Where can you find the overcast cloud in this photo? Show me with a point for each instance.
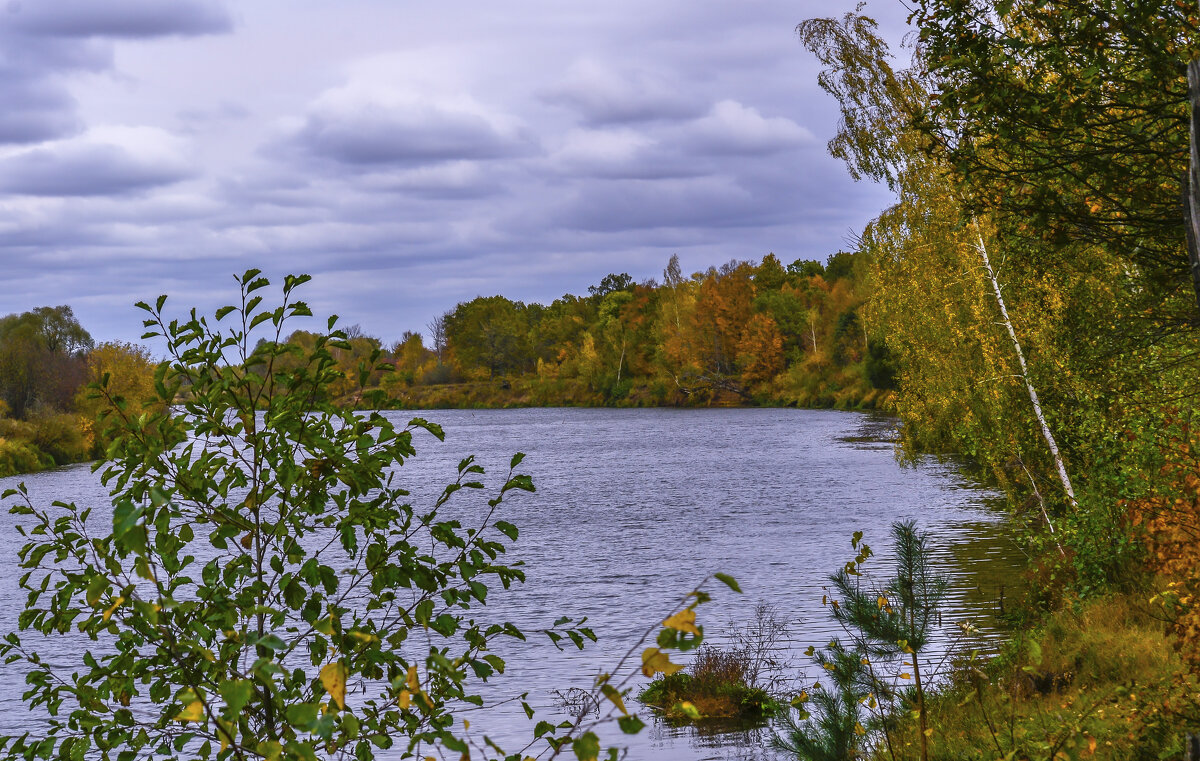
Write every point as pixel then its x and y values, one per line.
pixel 409 156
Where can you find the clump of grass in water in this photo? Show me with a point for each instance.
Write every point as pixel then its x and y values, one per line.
pixel 736 685
pixel 717 686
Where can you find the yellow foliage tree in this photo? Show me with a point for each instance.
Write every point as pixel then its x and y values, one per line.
pixel 125 372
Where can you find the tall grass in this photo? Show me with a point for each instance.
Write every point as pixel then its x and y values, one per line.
pixel 1097 681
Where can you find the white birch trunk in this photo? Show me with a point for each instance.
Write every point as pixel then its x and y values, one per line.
pixel 1033 397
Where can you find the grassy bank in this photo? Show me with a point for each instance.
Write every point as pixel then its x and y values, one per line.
pixel 41 442
pixel 535 391
pixel 1097 680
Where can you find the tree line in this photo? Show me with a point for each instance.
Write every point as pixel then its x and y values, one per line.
pixel 742 333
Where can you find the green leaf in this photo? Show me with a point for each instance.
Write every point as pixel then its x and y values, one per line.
pixel 271 642
pixel 270 750
pixel 614 695
pixel 587 747
pixel 507 529
pixel 630 725
pixel 302 715
pixel 236 694
pixel 125 518
pixel 728 581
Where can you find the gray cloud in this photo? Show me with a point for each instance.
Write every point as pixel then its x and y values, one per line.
pixel 411 131
pixel 732 128
pixel 644 204
pixel 34 109
pixel 91 167
pixel 409 157
pixel 117 18
pixel 602 95
pixel 623 153
pixel 46 42
pixel 38 104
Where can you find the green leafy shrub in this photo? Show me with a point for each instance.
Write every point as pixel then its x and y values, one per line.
pixel 265 588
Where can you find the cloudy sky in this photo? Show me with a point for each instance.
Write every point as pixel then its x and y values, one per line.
pixel 407 155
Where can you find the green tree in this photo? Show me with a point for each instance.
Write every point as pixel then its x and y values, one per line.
pixel 611 284
pixel 893 620
pixel 41 358
pixel 829 726
pixel 490 333
pixel 1068 119
pixel 889 623
pixel 117 374
pixel 261 560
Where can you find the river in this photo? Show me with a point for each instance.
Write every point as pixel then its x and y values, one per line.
pixel 635 507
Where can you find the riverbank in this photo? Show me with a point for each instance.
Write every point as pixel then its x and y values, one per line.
pixel 30 446
pixel 1093 680
pixel 40 443
pixel 534 391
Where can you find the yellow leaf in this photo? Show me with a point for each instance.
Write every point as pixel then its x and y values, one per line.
pixel 689 709
pixel 859 729
pixel 655 661
pixel 364 636
pixel 684 621
pixel 929 732
pixel 405 700
pixel 193 708
pixel 412 681
pixel 270 750
pixel 325 626
pixel 614 695
pixel 116 604
pixel 906 676
pixel 333 679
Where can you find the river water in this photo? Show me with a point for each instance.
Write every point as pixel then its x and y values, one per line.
pixel 634 508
